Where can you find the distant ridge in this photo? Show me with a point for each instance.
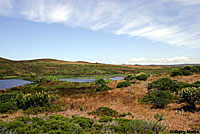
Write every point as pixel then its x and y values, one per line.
pixel 4 60
pixel 49 60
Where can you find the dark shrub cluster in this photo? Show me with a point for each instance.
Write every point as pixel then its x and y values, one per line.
pixel 186 70
pixel 7 102
pixel 161 92
pixel 159 98
pixel 101 85
pixel 123 84
pixel 164 84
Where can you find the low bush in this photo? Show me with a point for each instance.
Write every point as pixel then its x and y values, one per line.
pixel 105 118
pixel 25 101
pixel 84 122
pixel 158 98
pixel 190 95
pixel 123 84
pixel 7 107
pixel 78 125
pixel 7 102
pixel 162 84
pixel 141 76
pixel 101 85
pixel 105 111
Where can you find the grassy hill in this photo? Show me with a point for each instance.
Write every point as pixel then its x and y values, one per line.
pixel 53 67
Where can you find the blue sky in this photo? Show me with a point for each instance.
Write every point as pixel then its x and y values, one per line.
pixel 107 31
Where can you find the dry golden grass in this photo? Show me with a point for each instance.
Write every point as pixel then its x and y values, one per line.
pixel 126 100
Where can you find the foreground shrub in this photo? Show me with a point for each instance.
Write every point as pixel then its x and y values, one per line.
pixel 138 126
pixel 84 122
pixel 162 84
pixel 7 107
pixel 141 76
pixel 7 102
pixel 159 99
pixel 123 84
pixel 78 125
pixel 105 118
pixel 190 95
pixel 25 101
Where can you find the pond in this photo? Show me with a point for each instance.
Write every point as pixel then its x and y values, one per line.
pixel 91 79
pixel 5 84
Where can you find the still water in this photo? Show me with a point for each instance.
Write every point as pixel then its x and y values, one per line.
pixel 5 84
pixel 90 79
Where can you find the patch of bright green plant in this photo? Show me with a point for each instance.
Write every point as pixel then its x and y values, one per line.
pixel 190 95
pixel 25 101
pixel 142 76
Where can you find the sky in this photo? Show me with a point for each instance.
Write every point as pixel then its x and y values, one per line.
pixel 105 31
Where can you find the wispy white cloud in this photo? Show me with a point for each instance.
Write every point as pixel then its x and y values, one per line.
pixel 5 7
pixel 170 21
pixel 164 61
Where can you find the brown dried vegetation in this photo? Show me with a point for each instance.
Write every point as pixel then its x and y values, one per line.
pixel 125 100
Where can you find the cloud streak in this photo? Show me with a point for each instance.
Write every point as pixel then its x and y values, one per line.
pixel 164 61
pixel 173 22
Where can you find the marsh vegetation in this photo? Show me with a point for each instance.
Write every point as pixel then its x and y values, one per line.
pixel 148 100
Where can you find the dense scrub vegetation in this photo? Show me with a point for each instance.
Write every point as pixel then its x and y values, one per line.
pixel 164 90
pixel 78 125
pixel 30 103
pixel 186 70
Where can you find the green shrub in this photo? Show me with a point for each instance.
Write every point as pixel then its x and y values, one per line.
pixel 158 98
pixel 176 72
pixel 7 102
pixel 84 122
pixel 105 111
pixel 138 126
pixel 101 85
pixel 162 84
pixel 100 82
pixel 142 76
pixel 7 106
pixel 123 84
pixel 5 97
pixel 190 95
pixel 25 101
pixel 186 70
pixel 105 118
